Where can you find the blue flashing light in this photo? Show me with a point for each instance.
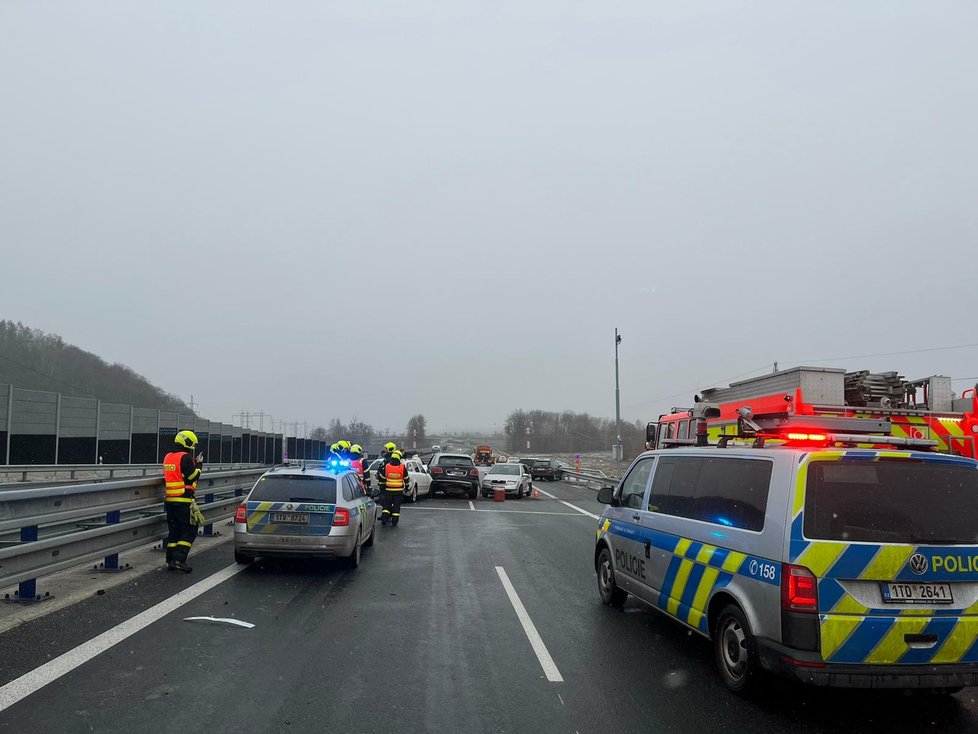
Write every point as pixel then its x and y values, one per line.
pixel 715 534
pixel 724 521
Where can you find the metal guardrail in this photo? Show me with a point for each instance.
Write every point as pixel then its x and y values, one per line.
pixel 589 477
pixel 52 472
pixel 30 507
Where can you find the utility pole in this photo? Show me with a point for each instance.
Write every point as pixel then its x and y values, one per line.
pixel 529 431
pixel 193 405
pixel 617 407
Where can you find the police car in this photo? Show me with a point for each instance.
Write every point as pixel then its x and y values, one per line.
pixel 818 559
pixel 305 512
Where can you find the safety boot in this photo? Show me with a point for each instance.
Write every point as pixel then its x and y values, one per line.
pixel 182 566
pixel 169 559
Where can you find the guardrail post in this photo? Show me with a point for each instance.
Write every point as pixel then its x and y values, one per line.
pixel 27 590
pixel 208 529
pixel 112 518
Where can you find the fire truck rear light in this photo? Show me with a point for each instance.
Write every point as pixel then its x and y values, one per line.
pixel 799 589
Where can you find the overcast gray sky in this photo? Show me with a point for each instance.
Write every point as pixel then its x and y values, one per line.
pixel 382 208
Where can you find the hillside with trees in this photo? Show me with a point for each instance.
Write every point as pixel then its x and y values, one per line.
pixel 552 432
pixel 35 360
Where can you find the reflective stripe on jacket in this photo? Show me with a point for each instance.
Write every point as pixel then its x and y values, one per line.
pixel 394 476
pixel 178 488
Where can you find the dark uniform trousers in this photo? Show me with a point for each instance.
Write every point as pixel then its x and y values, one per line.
pixel 391 503
pixel 181 533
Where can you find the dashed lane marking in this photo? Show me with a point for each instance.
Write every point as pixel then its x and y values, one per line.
pixel 471 505
pixel 536 642
pixel 36 679
pixel 568 504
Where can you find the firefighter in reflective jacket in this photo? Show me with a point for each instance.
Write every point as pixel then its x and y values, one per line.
pixel 356 463
pixel 181 470
pixel 393 476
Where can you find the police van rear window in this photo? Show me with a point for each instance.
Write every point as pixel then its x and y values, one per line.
pixel 892 501
pixel 294 488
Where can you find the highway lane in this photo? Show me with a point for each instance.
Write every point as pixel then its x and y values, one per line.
pixel 422 637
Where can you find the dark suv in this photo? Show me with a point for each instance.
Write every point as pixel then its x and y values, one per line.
pixel 543 469
pixel 454 474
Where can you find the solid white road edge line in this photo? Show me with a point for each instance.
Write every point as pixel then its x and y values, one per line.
pixel 568 504
pixel 543 655
pixel 36 679
pixel 466 509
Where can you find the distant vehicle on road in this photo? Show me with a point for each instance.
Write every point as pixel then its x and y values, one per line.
pixel 311 513
pixel 544 469
pixel 454 474
pixel 483 456
pixel 514 460
pixel 514 478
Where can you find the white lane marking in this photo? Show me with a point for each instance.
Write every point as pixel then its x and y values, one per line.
pixel 471 506
pixel 465 509
pixel 568 504
pixel 36 679
pixel 543 655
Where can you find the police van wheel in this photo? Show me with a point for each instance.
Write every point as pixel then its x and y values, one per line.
pixel 735 651
pixel 370 541
pixel 238 558
pixel 607 587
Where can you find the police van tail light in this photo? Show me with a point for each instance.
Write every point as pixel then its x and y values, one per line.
pixel 799 589
pixel 241 514
pixel 341 517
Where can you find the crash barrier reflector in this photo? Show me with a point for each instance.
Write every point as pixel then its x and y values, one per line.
pixel 115 516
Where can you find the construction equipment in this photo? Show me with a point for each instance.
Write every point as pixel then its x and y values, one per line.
pixel 483 456
pixel 834 405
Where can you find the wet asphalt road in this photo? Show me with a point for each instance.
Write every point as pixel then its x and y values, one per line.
pixel 422 637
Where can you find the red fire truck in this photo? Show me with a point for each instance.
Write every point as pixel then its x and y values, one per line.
pixel 827 406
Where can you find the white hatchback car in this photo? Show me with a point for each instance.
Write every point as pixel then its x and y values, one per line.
pixel 419 480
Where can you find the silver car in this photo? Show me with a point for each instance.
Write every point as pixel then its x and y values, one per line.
pixel 305 513
pixel 514 478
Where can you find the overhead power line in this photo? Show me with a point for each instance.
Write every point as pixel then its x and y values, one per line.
pixel 47 377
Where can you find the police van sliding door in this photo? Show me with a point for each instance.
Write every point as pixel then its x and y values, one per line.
pixel 631 561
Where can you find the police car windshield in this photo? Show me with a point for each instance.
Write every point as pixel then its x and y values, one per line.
pixel 892 501
pixel 505 469
pixel 294 488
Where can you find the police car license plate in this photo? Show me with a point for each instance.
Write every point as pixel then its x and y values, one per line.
pixel 917 593
pixel 299 518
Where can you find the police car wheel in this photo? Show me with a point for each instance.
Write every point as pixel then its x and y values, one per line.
pixel 736 653
pixel 370 541
pixel 607 587
pixel 238 558
pixel 353 560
